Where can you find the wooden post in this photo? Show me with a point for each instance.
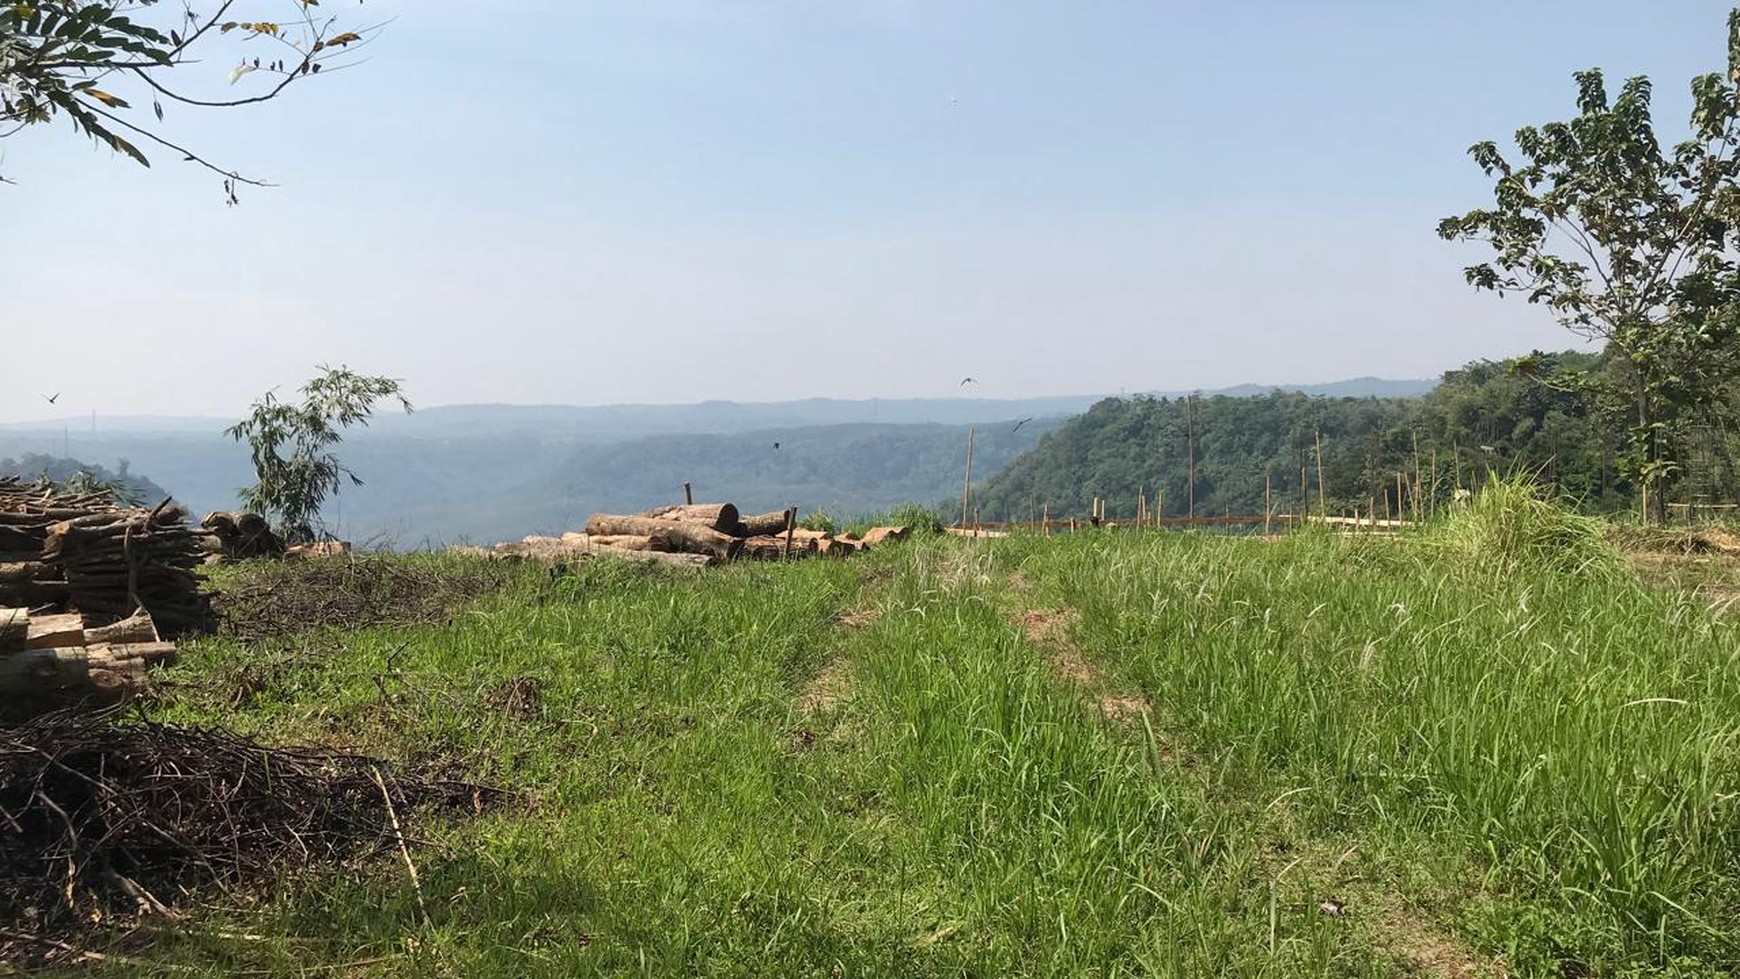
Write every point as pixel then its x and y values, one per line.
pixel 975 521
pixel 967 486
pixel 688 495
pixel 1160 508
pixel 1045 526
pixel 1268 505
pixel 1399 510
pixel 790 527
pixel 1322 507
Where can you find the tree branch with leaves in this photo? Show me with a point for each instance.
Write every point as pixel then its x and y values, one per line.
pixel 1630 245
pixel 82 61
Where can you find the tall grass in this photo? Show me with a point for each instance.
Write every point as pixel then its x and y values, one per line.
pixel 1459 734
pixel 1569 735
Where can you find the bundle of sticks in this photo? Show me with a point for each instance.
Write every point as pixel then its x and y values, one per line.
pixel 697 535
pixel 67 552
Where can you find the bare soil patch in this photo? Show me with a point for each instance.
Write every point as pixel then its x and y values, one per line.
pixel 520 697
pixel 858 618
pixel 826 690
pixel 1433 953
pixel 1049 630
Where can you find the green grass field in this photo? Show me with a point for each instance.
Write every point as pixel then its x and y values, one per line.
pixel 1126 754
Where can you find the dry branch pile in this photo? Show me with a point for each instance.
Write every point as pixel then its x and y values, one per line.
pixel 694 535
pixel 106 818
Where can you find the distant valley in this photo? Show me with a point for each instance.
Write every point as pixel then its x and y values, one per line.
pixel 498 472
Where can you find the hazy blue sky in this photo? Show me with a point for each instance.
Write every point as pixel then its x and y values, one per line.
pixel 674 200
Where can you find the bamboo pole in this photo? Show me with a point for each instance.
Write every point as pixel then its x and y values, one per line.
pixel 967 484
pixel 1190 429
pixel 1322 506
pixel 790 529
pixel 1268 505
pixel 1045 527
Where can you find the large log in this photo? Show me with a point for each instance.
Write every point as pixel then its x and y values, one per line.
pixel 770 547
pixel 690 538
pixel 722 517
pixel 631 542
pixel 765 524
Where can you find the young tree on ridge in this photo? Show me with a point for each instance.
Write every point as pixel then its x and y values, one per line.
pixel 1632 245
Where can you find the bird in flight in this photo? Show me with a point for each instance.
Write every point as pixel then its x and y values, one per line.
pixel 776 445
pixel 1020 423
pixel 968 380
pixel 51 398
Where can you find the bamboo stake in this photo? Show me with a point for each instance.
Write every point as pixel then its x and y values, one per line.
pixel 1268 505
pixel 1190 428
pixel 790 528
pixel 1322 506
pixel 1045 527
pixel 967 485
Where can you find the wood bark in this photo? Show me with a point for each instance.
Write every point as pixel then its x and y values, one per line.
pixel 770 547
pixel 690 538
pixel 136 628
pixel 722 517
pixel 764 524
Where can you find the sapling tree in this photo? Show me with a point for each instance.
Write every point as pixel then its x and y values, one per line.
pixel 1630 244
pixel 292 446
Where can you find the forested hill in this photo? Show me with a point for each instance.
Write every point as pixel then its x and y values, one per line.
pixel 1480 417
pixel 129 485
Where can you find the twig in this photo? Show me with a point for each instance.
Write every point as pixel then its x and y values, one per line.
pixel 399 837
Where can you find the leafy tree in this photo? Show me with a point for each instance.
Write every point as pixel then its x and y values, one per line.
pixel 1631 245
pixel 293 445
pixel 81 59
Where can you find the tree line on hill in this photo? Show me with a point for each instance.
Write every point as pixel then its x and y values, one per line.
pixel 128 486
pixel 1221 455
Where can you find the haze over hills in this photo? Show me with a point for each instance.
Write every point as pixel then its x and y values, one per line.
pixel 499 472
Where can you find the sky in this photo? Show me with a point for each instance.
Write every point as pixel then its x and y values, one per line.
pixel 668 201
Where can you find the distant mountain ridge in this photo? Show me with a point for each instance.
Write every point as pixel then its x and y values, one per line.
pixel 612 423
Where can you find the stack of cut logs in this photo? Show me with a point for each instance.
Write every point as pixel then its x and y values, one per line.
pixel 76 560
pixel 243 535
pixel 696 535
pixel 48 658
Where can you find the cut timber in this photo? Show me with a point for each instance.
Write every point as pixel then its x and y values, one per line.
pixel 56 631
pixel 631 542
pixel 722 517
pixel 14 627
pixel 136 628
pixel 876 535
pixel 690 538
pixel 772 548
pixel 658 557
pixel 763 524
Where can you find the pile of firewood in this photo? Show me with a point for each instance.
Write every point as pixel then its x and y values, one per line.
pixel 697 535
pixel 69 561
pixel 47 658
